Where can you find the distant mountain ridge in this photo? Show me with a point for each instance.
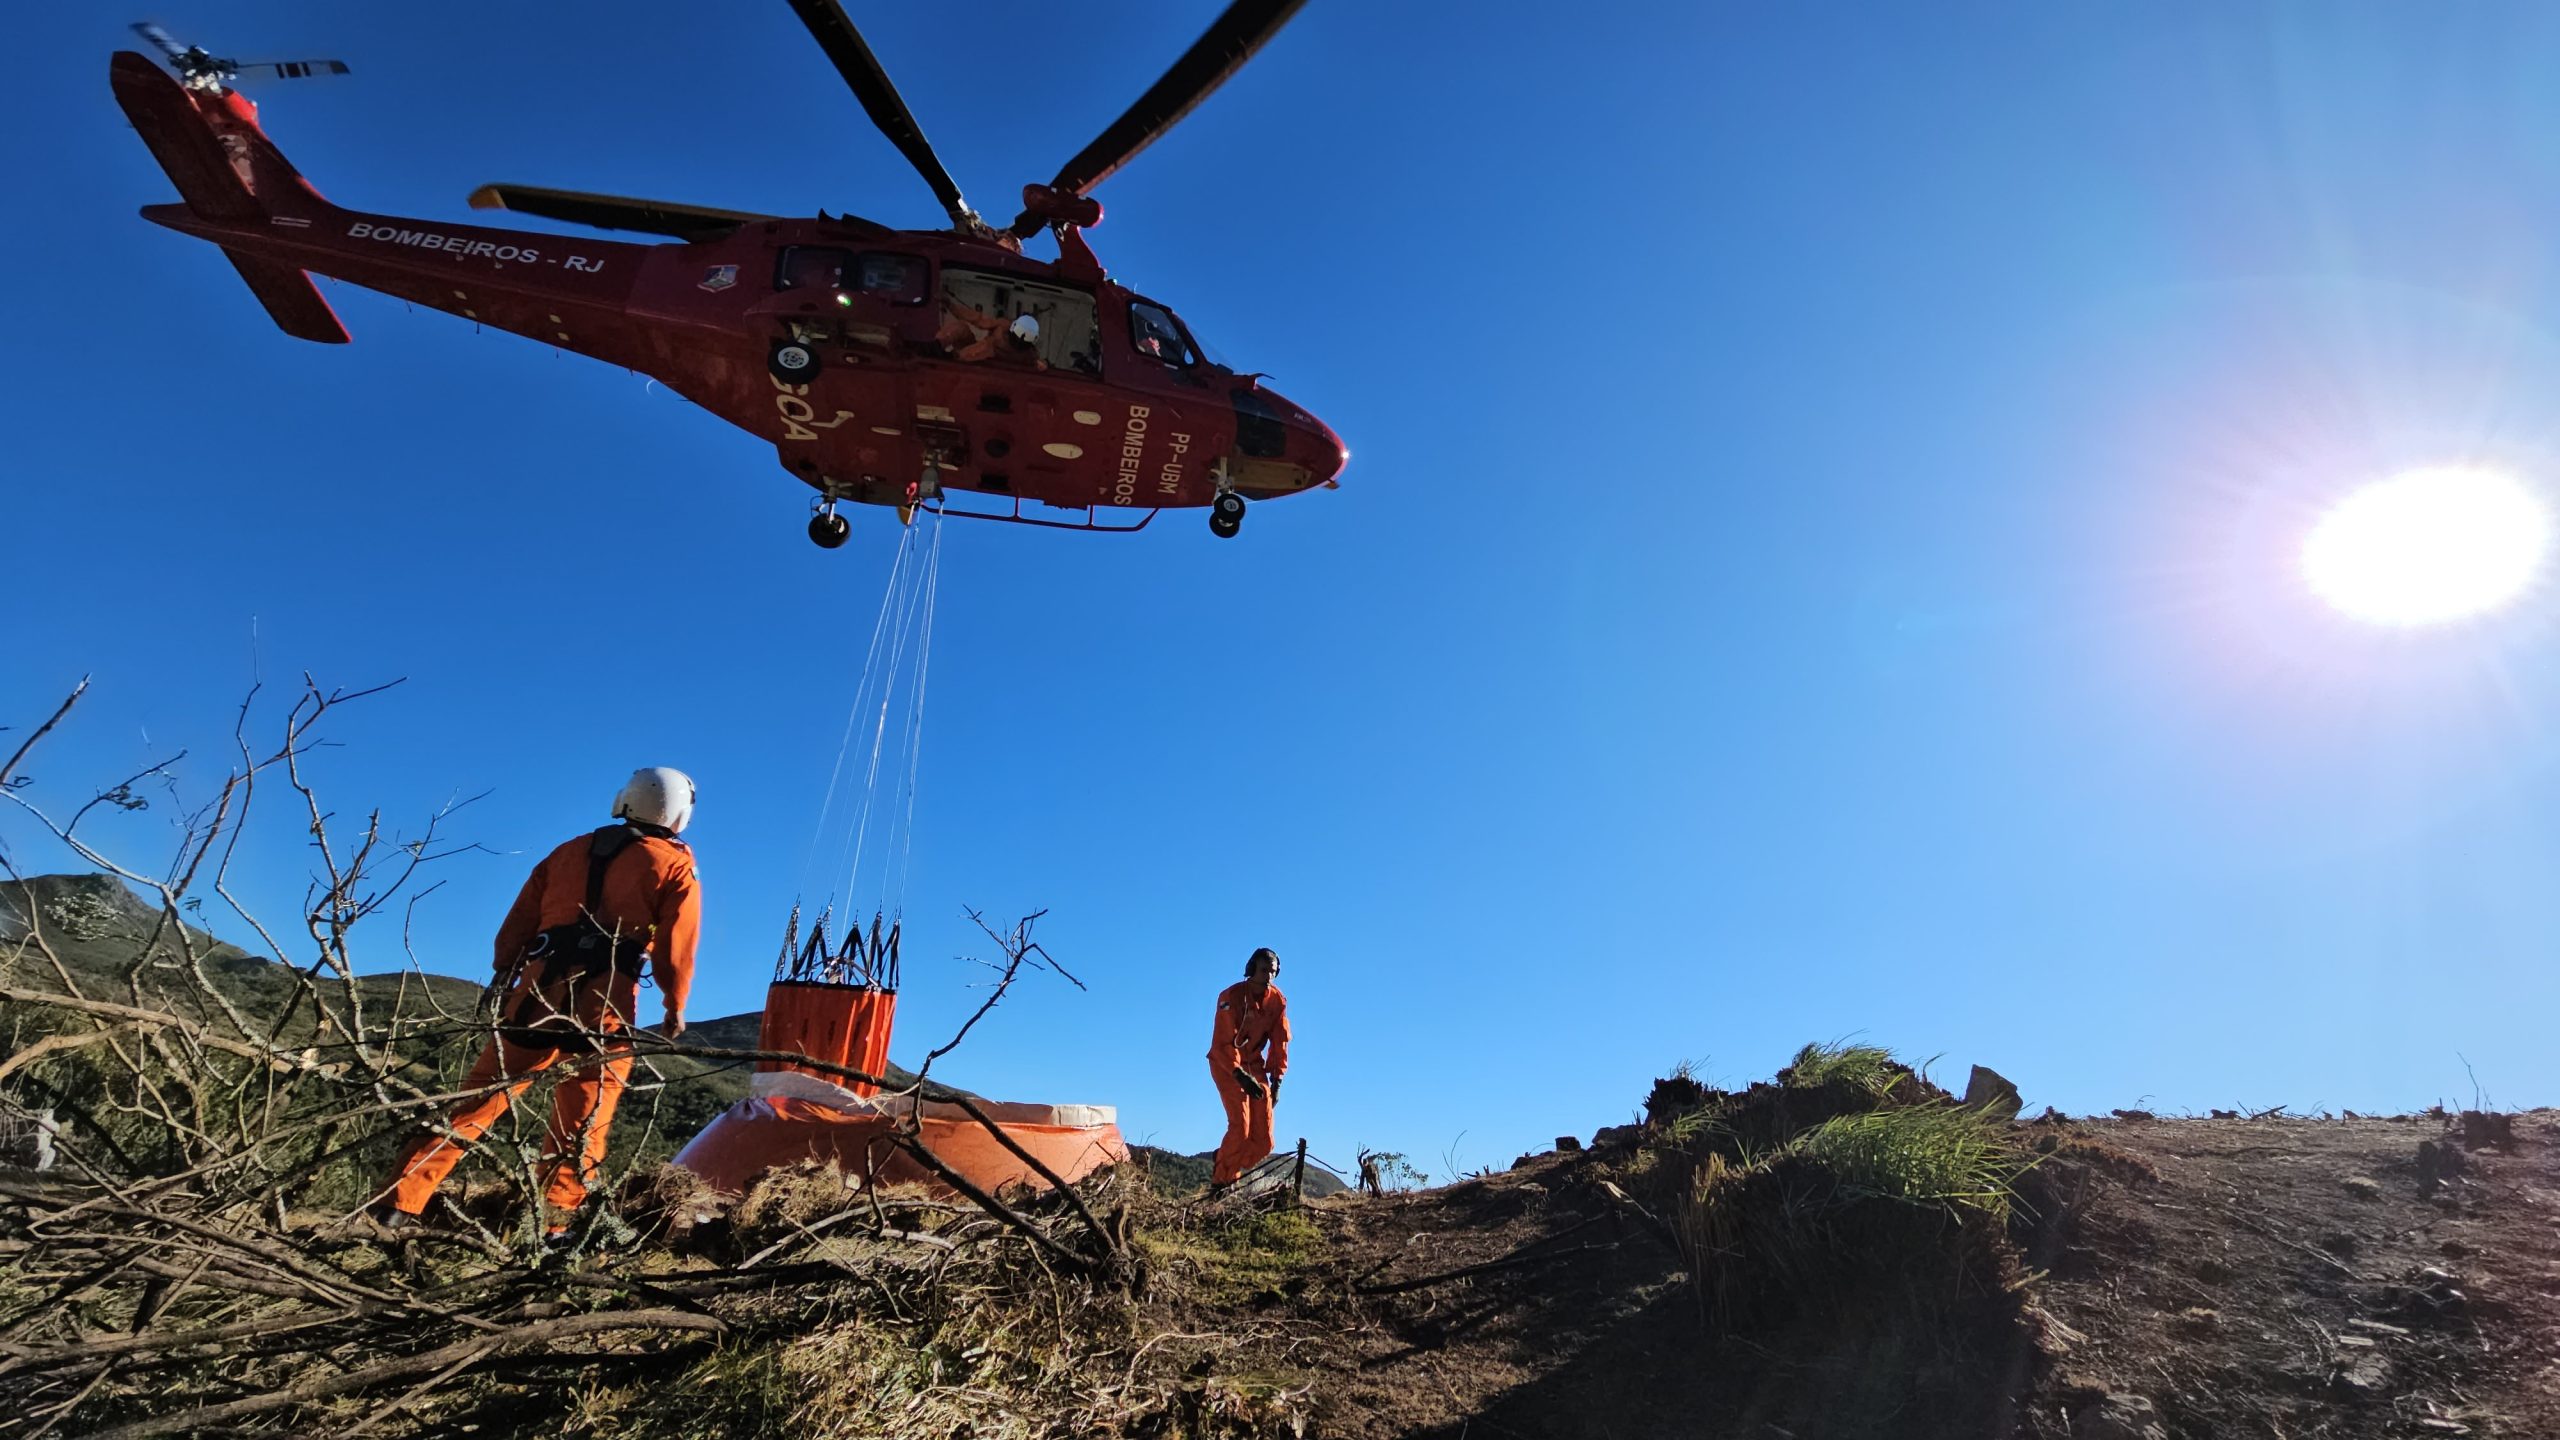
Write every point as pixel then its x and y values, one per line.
pixel 94 924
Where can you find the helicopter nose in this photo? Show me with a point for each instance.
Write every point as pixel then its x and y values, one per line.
pixel 1281 449
pixel 1319 449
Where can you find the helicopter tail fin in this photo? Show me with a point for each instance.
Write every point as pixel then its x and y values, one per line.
pixel 292 301
pixel 228 171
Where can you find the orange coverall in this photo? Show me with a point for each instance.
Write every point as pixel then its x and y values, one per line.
pixel 972 335
pixel 650 890
pixel 1251 1034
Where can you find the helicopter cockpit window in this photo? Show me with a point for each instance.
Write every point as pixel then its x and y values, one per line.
pixel 1158 336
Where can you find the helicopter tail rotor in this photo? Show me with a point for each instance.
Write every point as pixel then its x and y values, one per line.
pixel 290 69
pixel 159 40
pixel 199 69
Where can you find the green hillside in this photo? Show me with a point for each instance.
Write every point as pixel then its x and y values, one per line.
pixel 116 946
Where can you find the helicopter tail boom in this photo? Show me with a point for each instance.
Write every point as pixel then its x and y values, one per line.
pixel 228 171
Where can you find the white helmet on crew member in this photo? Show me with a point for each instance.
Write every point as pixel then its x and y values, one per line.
pixel 656 795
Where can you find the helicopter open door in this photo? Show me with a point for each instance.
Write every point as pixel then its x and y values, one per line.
pixel 1068 339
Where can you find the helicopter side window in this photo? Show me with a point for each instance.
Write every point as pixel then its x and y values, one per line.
pixel 896 279
pixel 1158 336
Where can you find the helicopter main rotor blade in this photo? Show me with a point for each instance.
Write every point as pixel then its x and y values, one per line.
pixel 834 32
pixel 160 38
pixel 614 212
pixel 1218 53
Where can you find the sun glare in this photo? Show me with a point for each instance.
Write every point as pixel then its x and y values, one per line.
pixel 2428 546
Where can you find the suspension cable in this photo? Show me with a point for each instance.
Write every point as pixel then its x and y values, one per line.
pixel 910 601
pixel 874 824
pixel 914 766
pixel 853 713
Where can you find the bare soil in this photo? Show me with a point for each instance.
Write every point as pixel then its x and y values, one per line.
pixel 2294 1278
pixel 2280 1277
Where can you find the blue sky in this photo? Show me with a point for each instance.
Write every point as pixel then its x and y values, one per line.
pixel 1818 557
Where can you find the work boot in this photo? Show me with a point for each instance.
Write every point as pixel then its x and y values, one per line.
pixel 391 1223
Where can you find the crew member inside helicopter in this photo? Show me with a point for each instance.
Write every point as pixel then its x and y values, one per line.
pixel 1152 331
pixel 972 335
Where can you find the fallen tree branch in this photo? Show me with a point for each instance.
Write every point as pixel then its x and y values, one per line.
pixel 478 1347
pixel 21 1358
pixel 424 1388
pixel 1011 1218
pixel 276 1255
pixel 1056 1183
pixel 1464 1272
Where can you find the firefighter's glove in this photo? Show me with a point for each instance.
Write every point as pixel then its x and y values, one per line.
pixel 1251 1086
pixel 1275 1089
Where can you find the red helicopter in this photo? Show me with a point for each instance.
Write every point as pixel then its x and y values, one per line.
pixel 889 367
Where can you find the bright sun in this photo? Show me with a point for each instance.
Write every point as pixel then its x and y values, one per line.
pixel 2428 546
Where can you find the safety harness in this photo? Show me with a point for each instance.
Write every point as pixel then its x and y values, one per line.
pixel 584 946
pixel 569 954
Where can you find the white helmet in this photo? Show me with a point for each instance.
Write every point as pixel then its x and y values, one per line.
pixel 1026 328
pixel 656 796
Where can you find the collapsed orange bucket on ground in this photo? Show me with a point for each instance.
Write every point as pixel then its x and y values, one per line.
pixel 794 1113
pixel 793 1117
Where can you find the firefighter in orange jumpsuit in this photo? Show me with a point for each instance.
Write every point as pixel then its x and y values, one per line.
pixel 1248 1053
pixel 593 914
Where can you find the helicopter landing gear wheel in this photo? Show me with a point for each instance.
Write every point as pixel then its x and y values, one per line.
pixel 828 528
pixel 792 363
pixel 1226 515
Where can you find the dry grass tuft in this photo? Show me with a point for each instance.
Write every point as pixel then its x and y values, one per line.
pixel 2117 1164
pixel 1868 1067
pixel 803 1194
